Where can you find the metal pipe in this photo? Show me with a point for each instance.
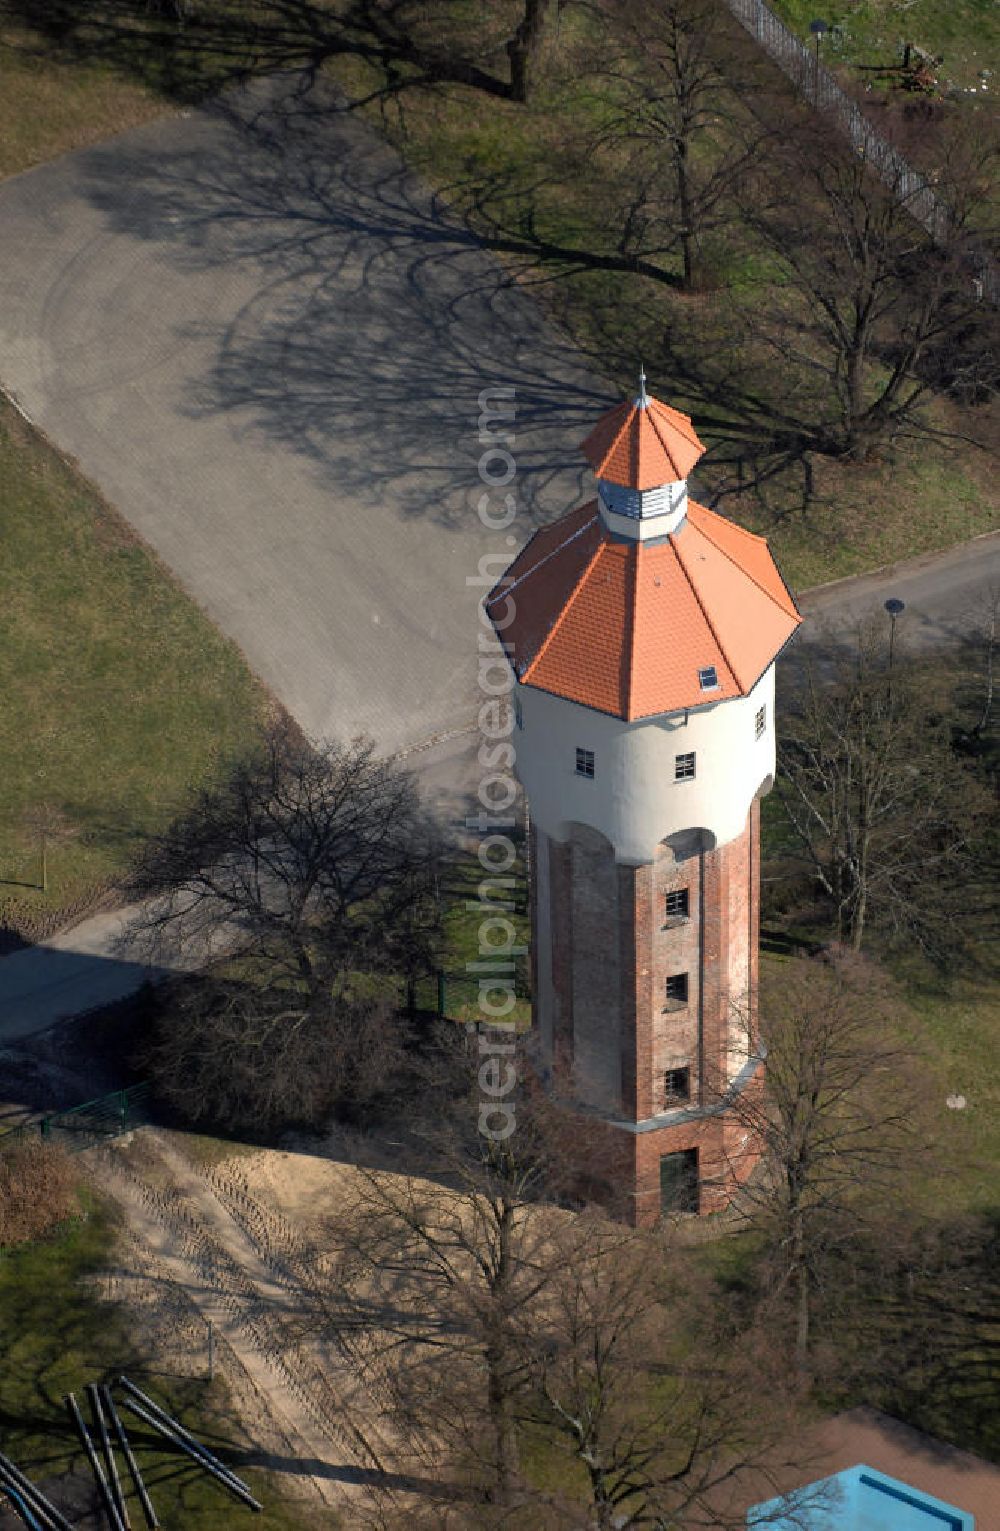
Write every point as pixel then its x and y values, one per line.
pixel 175 1431
pixel 21 1507
pixel 43 1508
pixel 19 1496
pixel 96 1468
pixel 185 1435
pixel 208 1464
pixel 126 1451
pixel 114 1481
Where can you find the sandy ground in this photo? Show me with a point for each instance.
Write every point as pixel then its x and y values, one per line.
pixel 230 1242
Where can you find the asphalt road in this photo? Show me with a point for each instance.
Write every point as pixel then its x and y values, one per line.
pixel 946 595
pixel 75 971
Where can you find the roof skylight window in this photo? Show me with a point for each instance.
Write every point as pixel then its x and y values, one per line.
pixel 708 680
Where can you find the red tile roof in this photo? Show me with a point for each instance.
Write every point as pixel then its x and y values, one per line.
pixel 625 627
pixel 643 445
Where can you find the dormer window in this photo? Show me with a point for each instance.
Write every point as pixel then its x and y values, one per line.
pixel 585 763
pixel 708 679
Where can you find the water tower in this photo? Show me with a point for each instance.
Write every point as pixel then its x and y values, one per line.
pixel 643 630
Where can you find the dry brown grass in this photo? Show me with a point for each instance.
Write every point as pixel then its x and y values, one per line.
pixel 50 105
pixel 37 1192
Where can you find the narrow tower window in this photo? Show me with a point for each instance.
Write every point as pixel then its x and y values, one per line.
pixel 584 762
pixel 760 722
pixel 684 767
pixel 677 904
pixel 676 1086
pixel 708 679
pixel 677 991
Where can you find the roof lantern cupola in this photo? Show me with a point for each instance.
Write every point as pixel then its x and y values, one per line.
pixel 641 453
pixel 650 606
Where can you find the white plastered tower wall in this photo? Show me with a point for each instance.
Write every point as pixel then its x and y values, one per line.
pixel 633 799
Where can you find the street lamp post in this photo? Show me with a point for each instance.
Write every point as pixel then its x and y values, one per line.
pixel 895 607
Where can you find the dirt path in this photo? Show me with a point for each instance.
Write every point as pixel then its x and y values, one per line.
pixel 214 1249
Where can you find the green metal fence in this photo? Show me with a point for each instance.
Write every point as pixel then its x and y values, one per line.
pixel 455 996
pixel 107 1116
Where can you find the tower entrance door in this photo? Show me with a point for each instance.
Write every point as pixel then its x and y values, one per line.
pixel 679 1181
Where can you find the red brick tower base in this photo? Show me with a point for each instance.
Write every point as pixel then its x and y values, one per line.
pixel 645 984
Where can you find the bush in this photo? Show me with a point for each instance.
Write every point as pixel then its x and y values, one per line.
pixel 37 1192
pixel 255 1060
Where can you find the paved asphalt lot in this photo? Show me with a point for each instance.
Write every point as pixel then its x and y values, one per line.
pixel 259 339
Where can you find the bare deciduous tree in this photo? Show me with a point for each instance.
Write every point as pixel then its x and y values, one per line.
pixel 525 47
pixel 318 862
pixel 489 1319
pixel 50 824
pixel 645 1382
pixel 314 872
pixel 443 1275
pixel 256 1059
pixel 836 1119
pixel 884 813
pixel 875 309
pixel 38 1190
pixel 686 141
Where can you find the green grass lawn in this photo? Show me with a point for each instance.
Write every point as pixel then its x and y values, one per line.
pixel 50 104
pixel 965 33
pixel 59 1335
pixel 956 1022
pixel 461 942
pixel 960 1020
pixel 118 692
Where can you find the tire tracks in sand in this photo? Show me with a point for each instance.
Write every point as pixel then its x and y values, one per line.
pixel 239 1265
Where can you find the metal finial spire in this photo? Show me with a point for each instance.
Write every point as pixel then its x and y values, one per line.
pixel 643 398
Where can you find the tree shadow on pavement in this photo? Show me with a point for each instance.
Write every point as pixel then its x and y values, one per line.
pixel 372 286
pixel 378 330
